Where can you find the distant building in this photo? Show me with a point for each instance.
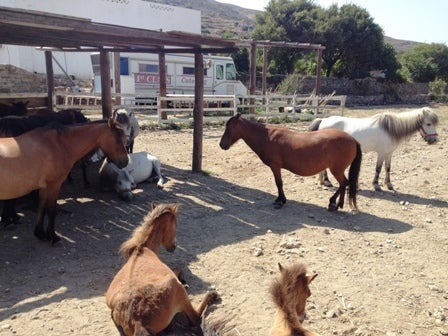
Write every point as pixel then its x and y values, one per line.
pixel 130 13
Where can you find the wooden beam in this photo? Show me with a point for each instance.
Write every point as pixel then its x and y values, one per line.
pixel 162 82
pixel 117 81
pixel 106 95
pixel 318 71
pixel 198 111
pixel 253 68
pixel 50 79
pixel 265 69
pixel 252 75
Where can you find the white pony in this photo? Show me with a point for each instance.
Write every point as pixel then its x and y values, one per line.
pixel 382 133
pixel 130 125
pixel 142 167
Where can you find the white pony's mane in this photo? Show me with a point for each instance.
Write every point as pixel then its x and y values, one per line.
pixel 404 124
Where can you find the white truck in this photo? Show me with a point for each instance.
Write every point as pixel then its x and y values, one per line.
pixel 139 75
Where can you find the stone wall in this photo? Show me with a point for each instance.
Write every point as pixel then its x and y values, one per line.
pixel 367 91
pixel 17 80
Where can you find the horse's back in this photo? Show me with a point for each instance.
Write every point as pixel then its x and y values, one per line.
pixel 307 153
pixel 146 284
pixel 365 130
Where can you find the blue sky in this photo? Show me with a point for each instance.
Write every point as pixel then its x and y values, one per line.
pixel 415 20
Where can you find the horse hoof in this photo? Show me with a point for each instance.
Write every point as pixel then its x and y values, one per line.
pixel 54 240
pixel 278 205
pixel 332 207
pixel 213 296
pixel 40 234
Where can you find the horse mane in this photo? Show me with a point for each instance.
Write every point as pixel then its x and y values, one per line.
pixel 283 291
pixel 404 124
pixel 144 230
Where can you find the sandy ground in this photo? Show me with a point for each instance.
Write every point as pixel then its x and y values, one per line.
pixel 383 271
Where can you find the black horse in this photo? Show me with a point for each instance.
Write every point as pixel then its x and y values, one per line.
pixel 16 109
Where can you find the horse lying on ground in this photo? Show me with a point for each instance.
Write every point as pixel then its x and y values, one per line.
pixel 302 153
pixel 42 158
pixel 382 133
pixel 146 294
pixel 129 122
pixel 290 292
pixel 11 126
pixel 142 167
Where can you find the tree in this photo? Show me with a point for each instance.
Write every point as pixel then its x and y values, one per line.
pixel 283 20
pixel 426 62
pixel 354 42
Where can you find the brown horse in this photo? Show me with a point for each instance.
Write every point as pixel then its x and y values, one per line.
pixel 42 158
pixel 302 153
pixel 12 126
pixel 290 292
pixel 146 294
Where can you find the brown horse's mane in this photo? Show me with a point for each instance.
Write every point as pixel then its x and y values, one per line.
pixel 144 230
pixel 403 125
pixel 284 292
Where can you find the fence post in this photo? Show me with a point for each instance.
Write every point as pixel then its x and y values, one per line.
pixel 235 102
pixel 159 112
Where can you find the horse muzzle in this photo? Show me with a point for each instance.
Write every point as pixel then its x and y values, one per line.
pixel 171 248
pixel 121 163
pixel 127 196
pixel 429 138
pixel 224 146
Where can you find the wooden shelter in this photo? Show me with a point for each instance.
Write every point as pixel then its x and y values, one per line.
pixel 51 32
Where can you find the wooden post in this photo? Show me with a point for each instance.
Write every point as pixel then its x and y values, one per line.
pixel 50 79
pixel 318 73
pixel 198 111
pixel 162 83
pixel 265 69
pixel 253 74
pixel 117 71
pixel 106 95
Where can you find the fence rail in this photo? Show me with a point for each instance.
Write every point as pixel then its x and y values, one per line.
pixel 180 107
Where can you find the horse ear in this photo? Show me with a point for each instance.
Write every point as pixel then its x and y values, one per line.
pixel 153 205
pixel 280 267
pixel 114 114
pixel 310 277
pixel 238 115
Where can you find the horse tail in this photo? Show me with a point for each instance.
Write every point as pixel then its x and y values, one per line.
pixel 315 124
pixel 353 176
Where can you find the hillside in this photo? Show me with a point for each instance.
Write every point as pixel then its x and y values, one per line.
pixel 219 17
pixel 400 45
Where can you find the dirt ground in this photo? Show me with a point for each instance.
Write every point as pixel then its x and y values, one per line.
pixel 383 271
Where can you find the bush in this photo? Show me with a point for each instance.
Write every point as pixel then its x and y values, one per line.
pixel 437 90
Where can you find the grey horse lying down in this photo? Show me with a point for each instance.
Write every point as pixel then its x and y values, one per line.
pixel 142 167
